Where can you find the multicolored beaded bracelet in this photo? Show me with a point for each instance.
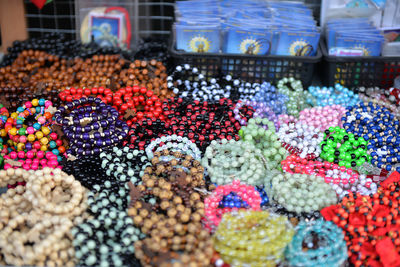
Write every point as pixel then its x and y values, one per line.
pixel 317 243
pixel 344 149
pixel 301 192
pixel 252 238
pixel 28 134
pixel 301 139
pixel 370 224
pixel 342 179
pixel 226 161
pixel 228 198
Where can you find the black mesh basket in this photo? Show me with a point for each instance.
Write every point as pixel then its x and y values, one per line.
pixel 359 71
pixel 251 68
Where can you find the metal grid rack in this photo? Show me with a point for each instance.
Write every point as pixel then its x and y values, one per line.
pixel 57 16
pixel 151 18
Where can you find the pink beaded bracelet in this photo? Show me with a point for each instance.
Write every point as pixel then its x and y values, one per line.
pixel 212 209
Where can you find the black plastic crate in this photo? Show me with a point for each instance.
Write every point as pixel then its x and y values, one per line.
pixel 359 71
pixel 251 68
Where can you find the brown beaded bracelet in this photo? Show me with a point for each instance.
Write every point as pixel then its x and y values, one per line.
pixel 173 223
pixel 38 70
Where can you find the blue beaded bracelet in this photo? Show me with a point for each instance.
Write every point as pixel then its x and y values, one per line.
pixel 317 243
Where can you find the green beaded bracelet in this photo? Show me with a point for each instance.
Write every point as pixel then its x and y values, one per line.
pixel 344 148
pixel 264 139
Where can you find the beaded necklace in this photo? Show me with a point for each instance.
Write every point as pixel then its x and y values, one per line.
pixel 317 243
pixel 370 224
pixel 254 238
pixel 379 127
pixel 90 125
pixel 342 179
pixel 301 192
pixel 226 161
pixel 301 139
pixel 344 149
pixel 261 133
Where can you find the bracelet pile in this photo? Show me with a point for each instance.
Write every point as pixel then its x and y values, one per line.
pixel 370 224
pixel 379 127
pixel 36 218
pixel 228 198
pixel 301 139
pixel 90 126
pixel 254 238
pixel 301 192
pixel 342 179
pixel 28 137
pixel 169 210
pixel 226 161
pixel 327 96
pixel 317 243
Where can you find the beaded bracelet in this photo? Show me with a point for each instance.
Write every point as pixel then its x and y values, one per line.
pixel 379 127
pixel 138 101
pixel 108 237
pixel 322 117
pixel 344 149
pixel 143 132
pixel 28 140
pixel 90 126
pixel 301 139
pixel 253 238
pixel 264 139
pixel 226 161
pixel 169 210
pixel 174 143
pixel 341 178
pixel 370 224
pixel 203 122
pixel 124 164
pixel 269 96
pixel 36 220
pixel 105 94
pixel 317 243
pixel 302 192
pixel 203 90
pixel 295 93
pixel 89 172
pixel 382 101
pixel 106 240
pixel 327 96
pixel 237 111
pixel 227 198
pixel 263 111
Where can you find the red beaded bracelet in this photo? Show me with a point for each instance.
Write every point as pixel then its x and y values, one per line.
pixel 140 101
pixel 371 224
pixel 105 94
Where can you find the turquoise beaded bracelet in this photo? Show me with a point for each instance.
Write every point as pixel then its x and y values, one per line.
pixel 317 243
